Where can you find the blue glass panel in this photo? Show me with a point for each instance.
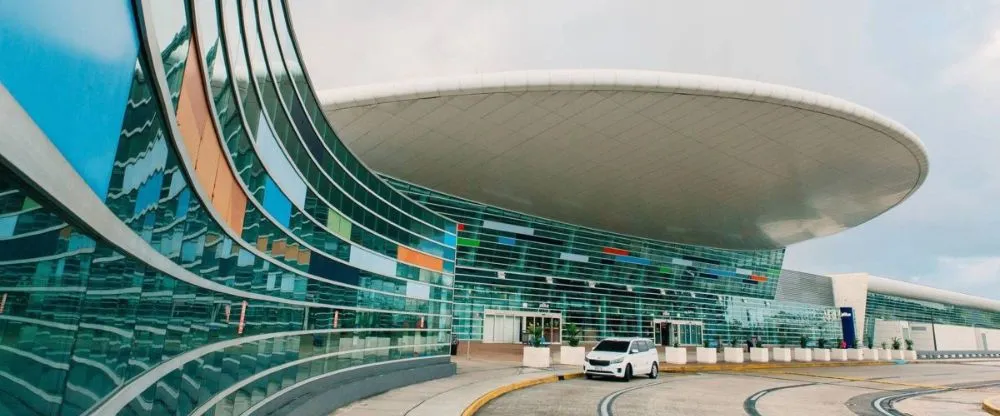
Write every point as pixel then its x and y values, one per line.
pixel 149 193
pixel 506 240
pixel 276 203
pixel 633 260
pixel 278 165
pixel 7 225
pixel 329 269
pixel 72 72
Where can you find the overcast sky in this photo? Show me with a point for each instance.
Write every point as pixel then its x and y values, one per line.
pixel 932 65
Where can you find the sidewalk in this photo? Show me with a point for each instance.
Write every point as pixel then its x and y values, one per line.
pixel 448 396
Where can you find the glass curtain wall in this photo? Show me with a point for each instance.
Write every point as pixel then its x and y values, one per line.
pixel 895 308
pixel 615 285
pixel 211 148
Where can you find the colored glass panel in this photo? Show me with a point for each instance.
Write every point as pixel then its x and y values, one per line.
pixel 407 255
pixel 70 65
pixel 618 251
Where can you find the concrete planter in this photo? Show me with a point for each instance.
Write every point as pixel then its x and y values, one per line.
pixel 758 355
pixel 885 355
pixel 781 355
pixel 675 355
pixel 706 355
pixel 897 354
pixel 838 355
pixel 803 354
pixel 871 354
pixel 821 354
pixel 732 355
pixel 572 355
pixel 910 355
pixel 855 354
pixel 536 357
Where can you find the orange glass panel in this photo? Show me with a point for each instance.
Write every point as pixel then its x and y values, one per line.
pixel 237 208
pixel 188 127
pixel 223 190
pixel 304 256
pixel 209 155
pixel 407 255
pixel 262 244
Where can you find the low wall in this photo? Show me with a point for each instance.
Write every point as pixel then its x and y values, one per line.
pixel 323 396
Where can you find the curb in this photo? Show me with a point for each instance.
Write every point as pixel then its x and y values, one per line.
pixel 695 368
pixel 992 405
pixel 474 407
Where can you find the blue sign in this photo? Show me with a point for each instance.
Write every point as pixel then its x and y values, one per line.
pixel 847 323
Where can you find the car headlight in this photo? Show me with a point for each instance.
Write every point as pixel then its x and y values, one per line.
pixel 618 360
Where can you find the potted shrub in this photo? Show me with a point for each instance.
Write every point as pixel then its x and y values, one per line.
pixel 802 353
pixel 733 353
pixel 821 353
pixel 675 354
pixel 909 354
pixel 535 354
pixel 571 353
pixel 706 354
pixel 896 353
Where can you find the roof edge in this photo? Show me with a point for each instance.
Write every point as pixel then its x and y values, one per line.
pixel 914 291
pixel 631 80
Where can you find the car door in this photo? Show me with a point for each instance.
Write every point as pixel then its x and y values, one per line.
pixel 641 363
pixel 654 356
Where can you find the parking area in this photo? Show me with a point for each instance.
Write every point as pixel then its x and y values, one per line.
pixel 916 389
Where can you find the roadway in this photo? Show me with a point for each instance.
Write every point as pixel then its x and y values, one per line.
pixel 915 389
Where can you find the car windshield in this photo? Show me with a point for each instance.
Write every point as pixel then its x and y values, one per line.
pixel 612 346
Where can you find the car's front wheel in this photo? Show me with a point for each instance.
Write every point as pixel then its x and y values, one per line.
pixel 655 371
pixel 628 373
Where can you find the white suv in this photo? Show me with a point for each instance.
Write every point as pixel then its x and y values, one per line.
pixel 622 358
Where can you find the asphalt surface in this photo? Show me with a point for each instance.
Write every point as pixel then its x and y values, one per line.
pixel 914 389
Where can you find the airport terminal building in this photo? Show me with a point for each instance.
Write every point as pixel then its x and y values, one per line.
pixel 188 227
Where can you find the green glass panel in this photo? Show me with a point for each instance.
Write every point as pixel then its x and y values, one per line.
pixel 469 242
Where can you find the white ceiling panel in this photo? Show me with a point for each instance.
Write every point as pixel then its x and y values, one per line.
pixel 676 158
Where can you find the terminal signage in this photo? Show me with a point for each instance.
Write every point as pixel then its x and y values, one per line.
pixel 847 323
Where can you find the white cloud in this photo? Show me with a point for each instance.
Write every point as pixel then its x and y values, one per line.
pixel 979 276
pixel 979 71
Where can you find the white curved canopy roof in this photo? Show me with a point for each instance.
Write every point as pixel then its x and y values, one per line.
pixel 686 158
pixel 913 291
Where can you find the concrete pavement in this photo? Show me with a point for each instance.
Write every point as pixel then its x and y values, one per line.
pixel 917 389
pixel 449 396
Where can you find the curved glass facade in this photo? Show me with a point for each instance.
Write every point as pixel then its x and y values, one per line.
pixel 194 124
pixel 515 265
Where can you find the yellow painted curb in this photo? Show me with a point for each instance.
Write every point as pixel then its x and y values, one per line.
pixel 502 390
pixel 992 405
pixel 696 368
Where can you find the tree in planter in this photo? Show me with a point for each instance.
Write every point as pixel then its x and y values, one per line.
pixel 705 342
pixel 536 336
pixel 909 345
pixel 572 334
pixel 735 342
pixel 896 343
pixel 677 344
pixel 840 342
pixel 803 341
pixel 821 343
pixel 884 345
pixel 855 344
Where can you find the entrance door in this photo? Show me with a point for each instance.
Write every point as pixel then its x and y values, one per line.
pixel 682 333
